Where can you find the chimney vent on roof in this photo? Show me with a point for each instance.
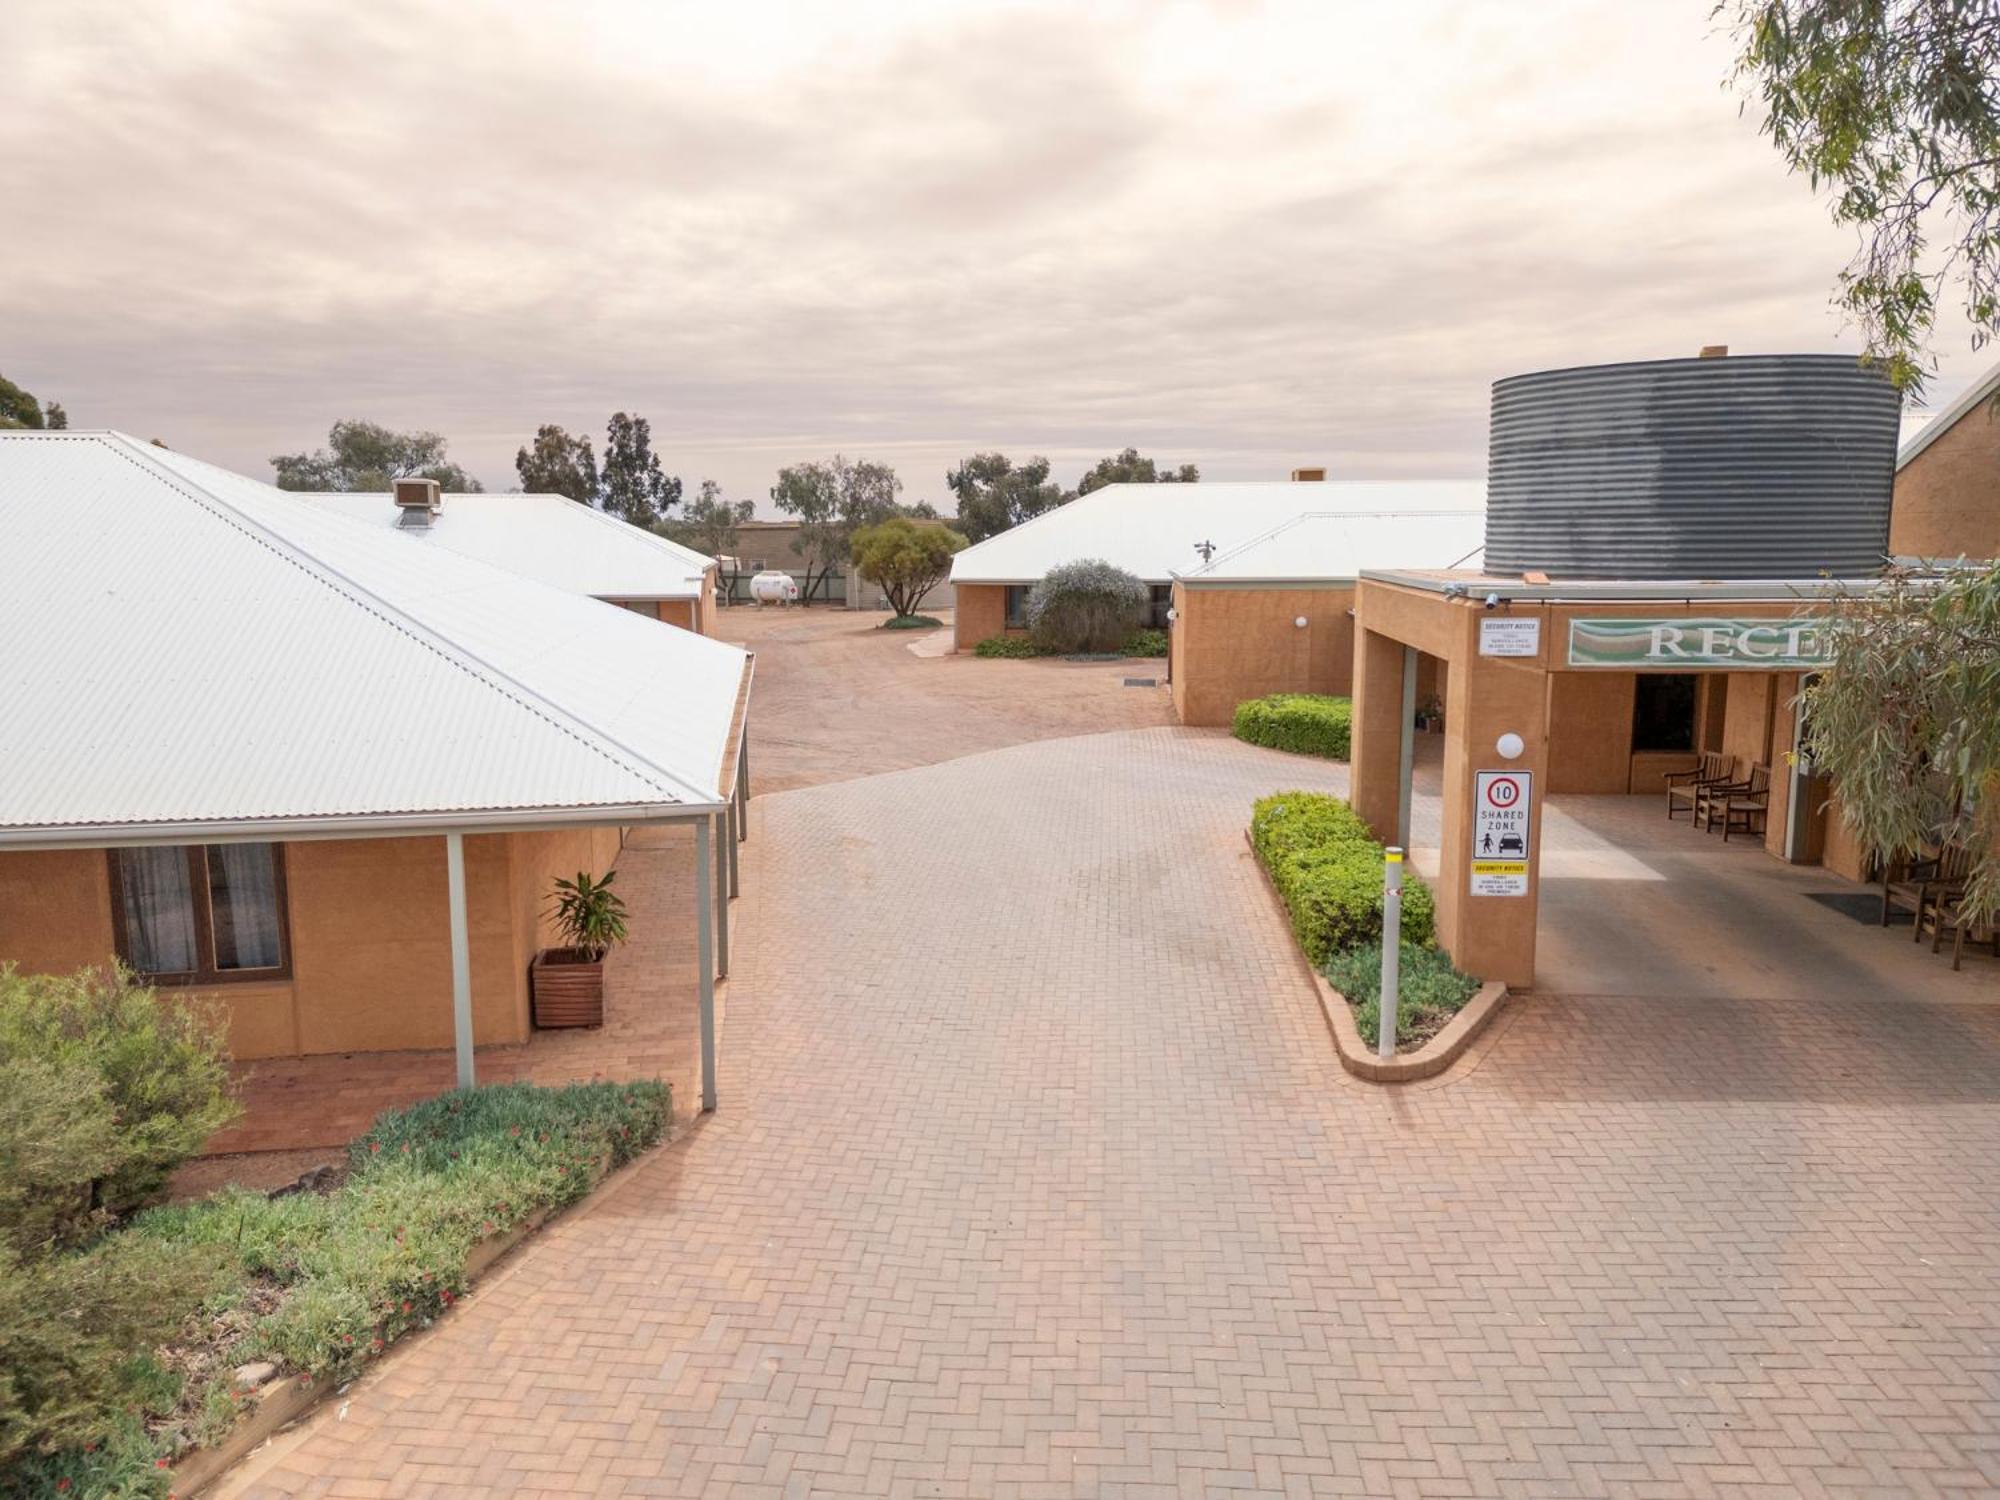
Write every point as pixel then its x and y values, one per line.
pixel 1309 476
pixel 418 500
pixel 1714 351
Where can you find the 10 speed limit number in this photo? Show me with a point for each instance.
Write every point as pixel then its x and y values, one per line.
pixel 1500 804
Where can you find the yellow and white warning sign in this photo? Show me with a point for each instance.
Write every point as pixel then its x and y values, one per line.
pixel 1500 802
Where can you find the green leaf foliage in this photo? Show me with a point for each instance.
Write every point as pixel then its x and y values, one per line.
pixel 1327 868
pixel 1146 643
pixel 1906 722
pixel 1429 990
pixel 1890 106
pixel 368 456
pixel 1131 467
pixel 905 558
pixel 588 913
pixel 911 622
pixel 1303 723
pixel 1015 647
pixel 995 496
pixel 110 1086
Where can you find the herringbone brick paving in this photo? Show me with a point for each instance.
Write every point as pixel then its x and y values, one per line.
pixel 1035 1177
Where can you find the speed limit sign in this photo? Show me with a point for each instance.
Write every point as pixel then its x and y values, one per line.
pixel 1500 832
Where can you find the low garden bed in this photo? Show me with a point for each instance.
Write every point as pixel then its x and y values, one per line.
pixel 1325 868
pixel 135 1345
pixel 911 622
pixel 1142 643
pixel 1303 723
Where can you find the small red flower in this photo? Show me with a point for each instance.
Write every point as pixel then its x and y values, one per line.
pixel 374 1146
pixel 161 1463
pixel 62 1484
pixel 448 1298
pixel 406 1305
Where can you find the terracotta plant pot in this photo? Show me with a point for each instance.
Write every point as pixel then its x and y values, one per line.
pixel 567 988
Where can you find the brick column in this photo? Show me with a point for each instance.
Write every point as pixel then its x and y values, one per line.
pixel 1377 741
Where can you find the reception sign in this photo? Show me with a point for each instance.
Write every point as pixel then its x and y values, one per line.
pixel 1699 644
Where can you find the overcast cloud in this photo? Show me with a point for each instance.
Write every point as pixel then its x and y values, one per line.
pixel 1250 235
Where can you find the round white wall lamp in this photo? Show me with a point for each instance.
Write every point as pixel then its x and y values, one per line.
pixel 1510 745
pixel 1173 615
pixel 1300 622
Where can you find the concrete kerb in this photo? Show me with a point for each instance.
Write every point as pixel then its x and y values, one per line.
pixel 1428 1061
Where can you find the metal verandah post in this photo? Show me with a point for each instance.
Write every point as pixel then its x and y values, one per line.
pixel 721 899
pixel 704 961
pixel 461 957
pixel 1406 765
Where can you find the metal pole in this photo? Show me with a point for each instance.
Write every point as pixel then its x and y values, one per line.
pixel 721 901
pixel 1392 952
pixel 743 778
pixel 704 962
pixel 461 956
pixel 735 837
pixel 1407 766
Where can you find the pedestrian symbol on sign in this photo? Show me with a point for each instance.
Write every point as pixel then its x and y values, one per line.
pixel 1500 807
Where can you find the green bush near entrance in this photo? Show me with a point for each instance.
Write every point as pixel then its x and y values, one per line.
pixel 1303 723
pixel 1327 868
pixel 1147 643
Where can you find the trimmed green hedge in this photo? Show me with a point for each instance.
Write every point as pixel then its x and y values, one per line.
pixel 910 622
pixel 1010 646
pixel 1303 723
pixel 1429 990
pixel 1328 871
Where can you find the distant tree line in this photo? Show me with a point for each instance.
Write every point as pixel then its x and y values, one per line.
pixel 994 495
pixel 19 409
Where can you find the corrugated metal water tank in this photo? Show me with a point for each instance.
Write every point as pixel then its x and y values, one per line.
pixel 1761 466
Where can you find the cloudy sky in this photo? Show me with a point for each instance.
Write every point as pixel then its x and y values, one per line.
pixel 1250 235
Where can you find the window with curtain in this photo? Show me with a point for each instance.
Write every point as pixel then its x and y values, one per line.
pixel 1017 606
pixel 201 912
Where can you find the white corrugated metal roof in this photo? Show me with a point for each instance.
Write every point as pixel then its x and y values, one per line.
pixel 549 537
pixel 189 648
pixel 1920 434
pixel 1150 530
pixel 1336 546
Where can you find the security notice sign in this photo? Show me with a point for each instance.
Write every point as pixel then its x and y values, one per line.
pixel 1500 832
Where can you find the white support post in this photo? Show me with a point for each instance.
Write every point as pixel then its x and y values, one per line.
pixel 734 831
pixel 1392 954
pixel 704 961
pixel 721 898
pixel 461 957
pixel 743 782
pixel 1406 767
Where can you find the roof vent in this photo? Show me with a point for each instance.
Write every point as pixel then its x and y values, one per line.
pixel 418 500
pixel 1309 476
pixel 1713 351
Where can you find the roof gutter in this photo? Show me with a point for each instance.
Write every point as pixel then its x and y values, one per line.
pixel 351 826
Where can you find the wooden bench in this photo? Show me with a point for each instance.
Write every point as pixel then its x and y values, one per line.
pixel 1740 806
pixel 1916 884
pixel 1684 788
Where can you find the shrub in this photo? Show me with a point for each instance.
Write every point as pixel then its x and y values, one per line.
pixel 1017 646
pixel 1146 643
pixel 110 1086
pixel 911 622
pixel 1327 868
pixel 1429 991
pixel 1303 723
pixel 906 559
pixel 1085 606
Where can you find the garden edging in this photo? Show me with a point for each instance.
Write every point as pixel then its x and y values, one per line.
pixel 1439 1053
pixel 285 1399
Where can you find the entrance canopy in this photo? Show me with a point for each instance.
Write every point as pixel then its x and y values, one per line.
pixel 1542 690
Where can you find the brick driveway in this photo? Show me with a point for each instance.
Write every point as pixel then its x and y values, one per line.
pixel 1035 1177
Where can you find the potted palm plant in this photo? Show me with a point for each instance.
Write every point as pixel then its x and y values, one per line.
pixel 567 983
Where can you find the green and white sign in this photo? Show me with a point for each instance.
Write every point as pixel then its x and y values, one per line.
pixel 1699 644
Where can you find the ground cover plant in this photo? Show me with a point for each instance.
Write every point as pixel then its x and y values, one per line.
pixel 1018 647
pixel 120 1337
pixel 1429 990
pixel 1327 868
pixel 1303 723
pixel 911 622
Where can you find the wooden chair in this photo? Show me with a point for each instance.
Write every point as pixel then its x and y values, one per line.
pixel 1915 884
pixel 1740 806
pixel 1684 787
pixel 1945 913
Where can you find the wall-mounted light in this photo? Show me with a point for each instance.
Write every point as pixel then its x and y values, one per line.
pixel 1510 745
pixel 1173 615
pixel 1300 622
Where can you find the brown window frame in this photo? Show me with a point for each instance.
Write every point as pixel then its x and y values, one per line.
pixel 206 973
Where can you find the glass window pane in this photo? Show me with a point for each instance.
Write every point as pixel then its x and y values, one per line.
pixel 243 904
pixel 154 890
